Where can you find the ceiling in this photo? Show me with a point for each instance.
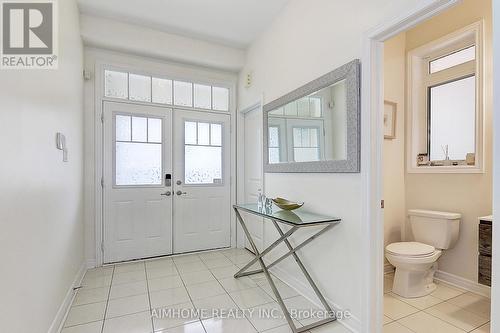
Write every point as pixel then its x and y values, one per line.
pixel 234 23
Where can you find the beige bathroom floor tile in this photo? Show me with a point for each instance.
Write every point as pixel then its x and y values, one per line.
pixel 445 291
pixel 396 327
pixel 456 316
pixel 420 303
pixel 396 309
pixel 473 303
pixel 422 322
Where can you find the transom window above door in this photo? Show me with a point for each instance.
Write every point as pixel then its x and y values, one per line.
pixel 202 153
pixel 150 89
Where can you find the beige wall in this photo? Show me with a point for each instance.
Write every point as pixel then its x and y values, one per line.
pixel 41 199
pixel 468 194
pixel 394 150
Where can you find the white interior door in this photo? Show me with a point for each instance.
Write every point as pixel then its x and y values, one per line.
pixel 137 160
pixel 253 174
pixel 202 202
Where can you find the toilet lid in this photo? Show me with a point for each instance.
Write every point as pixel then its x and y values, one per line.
pixel 410 249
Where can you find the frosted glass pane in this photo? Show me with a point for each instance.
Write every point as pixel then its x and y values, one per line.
pixel 291 109
pixel 203 165
pixel 215 134
pixel 273 137
pixel 154 130
pixel 297 137
pixel 274 155
pixel 314 137
pixel 220 98
pixel 306 154
pixel 315 106
pixel 122 124
pixel 162 91
pixel 453 59
pixel 183 93
pixel 139 129
pixel 115 84
pixel 138 164
pixel 202 96
pixel 190 132
pixel 204 134
pixel 140 88
pixel 303 107
pixel 453 119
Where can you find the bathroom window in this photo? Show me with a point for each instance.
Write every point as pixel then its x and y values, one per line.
pixel 445 104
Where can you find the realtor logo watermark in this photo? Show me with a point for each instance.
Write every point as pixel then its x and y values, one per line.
pixel 29 34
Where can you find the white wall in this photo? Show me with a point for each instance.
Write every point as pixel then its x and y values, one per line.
pixel 468 194
pixel 41 198
pixel 134 39
pixel 307 40
pixel 394 150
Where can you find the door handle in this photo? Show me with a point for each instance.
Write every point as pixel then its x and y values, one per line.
pixel 168 193
pixel 180 192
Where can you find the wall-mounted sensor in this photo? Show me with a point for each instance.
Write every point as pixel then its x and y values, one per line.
pixel 61 145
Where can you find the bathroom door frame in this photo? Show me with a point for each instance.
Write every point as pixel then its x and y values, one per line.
pixel 372 101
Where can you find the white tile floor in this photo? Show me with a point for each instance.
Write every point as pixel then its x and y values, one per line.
pixel 447 310
pixel 121 298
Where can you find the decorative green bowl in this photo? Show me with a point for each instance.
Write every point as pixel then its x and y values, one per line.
pixel 287 204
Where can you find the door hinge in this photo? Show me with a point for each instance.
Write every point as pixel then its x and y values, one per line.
pixel 102 118
pixel 382 204
pixel 102 182
pixel 102 247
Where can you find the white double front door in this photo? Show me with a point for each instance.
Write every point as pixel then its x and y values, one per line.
pixel 166 181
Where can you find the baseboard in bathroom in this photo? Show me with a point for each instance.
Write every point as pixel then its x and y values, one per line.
pixel 63 310
pixel 463 283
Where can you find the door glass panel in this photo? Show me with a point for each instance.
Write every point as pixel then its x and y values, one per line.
pixel 305 144
pixel 139 129
pixel 138 150
pixel 190 132
pixel 140 88
pixel 203 134
pixel 162 91
pixel 115 84
pixel 202 96
pixel 183 93
pixel 216 134
pixel 123 128
pixel 220 98
pixel 138 164
pixel 274 145
pixel 154 130
pixel 453 59
pixel 202 153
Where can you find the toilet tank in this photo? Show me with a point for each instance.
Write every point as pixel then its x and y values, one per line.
pixel 439 229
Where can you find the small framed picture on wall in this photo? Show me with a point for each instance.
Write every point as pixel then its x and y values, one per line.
pixel 390 110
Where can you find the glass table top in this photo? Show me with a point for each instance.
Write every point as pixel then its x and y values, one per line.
pixel 298 217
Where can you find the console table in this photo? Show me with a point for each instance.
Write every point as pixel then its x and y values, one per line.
pixel 296 220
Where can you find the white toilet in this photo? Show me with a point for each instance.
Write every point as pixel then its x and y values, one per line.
pixel 416 262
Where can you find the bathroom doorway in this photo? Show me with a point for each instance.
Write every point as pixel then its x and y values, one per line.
pixel 437 168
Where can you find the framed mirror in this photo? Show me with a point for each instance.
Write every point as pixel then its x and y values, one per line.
pixel 316 128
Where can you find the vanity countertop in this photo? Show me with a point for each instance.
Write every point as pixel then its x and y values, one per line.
pixel 486 218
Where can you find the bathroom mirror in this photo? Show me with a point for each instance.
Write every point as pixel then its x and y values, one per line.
pixel 315 128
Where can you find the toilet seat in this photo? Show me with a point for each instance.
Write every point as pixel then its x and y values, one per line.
pixel 410 249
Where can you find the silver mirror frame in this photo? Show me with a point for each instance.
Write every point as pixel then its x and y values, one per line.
pixel 349 72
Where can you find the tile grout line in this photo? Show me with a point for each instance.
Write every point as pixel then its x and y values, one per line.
pixel 107 301
pixel 187 292
pixel 149 299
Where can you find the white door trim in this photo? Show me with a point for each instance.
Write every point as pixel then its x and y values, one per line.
pixel 240 161
pixel 371 161
pixel 97 214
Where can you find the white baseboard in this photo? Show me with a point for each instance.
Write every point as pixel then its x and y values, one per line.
pixel 91 263
pixel 466 284
pixel 61 314
pixel 353 323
